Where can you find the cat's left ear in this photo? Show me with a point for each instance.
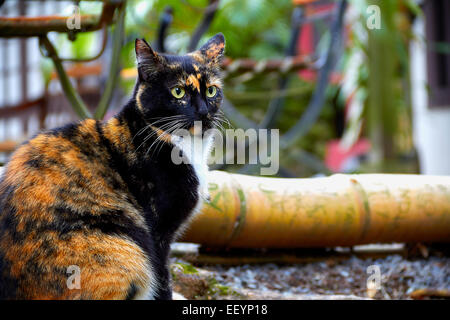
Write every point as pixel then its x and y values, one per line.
pixel 214 48
pixel 149 61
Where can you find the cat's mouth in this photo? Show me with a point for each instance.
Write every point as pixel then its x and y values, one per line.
pixel 199 127
pixel 182 128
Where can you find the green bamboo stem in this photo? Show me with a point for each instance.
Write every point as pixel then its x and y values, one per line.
pixel 118 36
pixel 383 111
pixel 74 98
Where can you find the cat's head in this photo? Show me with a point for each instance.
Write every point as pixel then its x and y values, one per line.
pixel 175 91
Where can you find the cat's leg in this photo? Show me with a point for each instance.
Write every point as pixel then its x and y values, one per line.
pixel 164 291
pixel 161 268
pixel 164 294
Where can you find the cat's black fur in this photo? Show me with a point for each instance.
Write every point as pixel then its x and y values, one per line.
pixel 173 196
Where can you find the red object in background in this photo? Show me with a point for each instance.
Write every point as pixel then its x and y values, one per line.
pixel 305 46
pixel 306 41
pixel 336 157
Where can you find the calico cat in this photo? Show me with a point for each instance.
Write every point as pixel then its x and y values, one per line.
pixel 105 197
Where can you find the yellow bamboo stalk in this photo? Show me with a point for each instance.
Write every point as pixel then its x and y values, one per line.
pixel 340 210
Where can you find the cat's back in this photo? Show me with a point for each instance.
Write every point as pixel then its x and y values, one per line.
pixel 63 210
pixel 67 166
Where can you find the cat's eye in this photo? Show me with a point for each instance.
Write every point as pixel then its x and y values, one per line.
pixel 178 92
pixel 211 91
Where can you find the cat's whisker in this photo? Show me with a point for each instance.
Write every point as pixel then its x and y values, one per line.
pixel 167 117
pixel 167 126
pixel 160 142
pixel 159 119
pixel 141 131
pixel 162 127
pixel 219 123
pixel 221 117
pixel 151 134
pixel 225 120
pixel 158 147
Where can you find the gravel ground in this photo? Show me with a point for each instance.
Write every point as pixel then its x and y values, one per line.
pixel 399 277
pixel 327 279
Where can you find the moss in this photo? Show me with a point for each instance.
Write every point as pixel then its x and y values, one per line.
pixel 187 268
pixel 184 268
pixel 217 290
pixel 192 284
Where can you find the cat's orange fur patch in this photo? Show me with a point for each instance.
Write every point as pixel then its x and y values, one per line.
pixel 214 50
pixel 119 135
pixel 141 89
pixel 88 127
pixel 162 135
pixel 193 81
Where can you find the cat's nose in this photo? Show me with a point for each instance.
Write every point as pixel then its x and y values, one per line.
pixel 203 113
pixel 202 110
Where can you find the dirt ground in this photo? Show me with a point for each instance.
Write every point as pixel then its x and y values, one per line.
pixel 393 276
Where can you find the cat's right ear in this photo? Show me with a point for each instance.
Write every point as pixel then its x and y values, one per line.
pixel 148 60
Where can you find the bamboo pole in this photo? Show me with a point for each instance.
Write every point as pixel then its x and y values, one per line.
pixel 340 210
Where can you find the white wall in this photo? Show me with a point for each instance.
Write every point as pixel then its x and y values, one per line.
pixel 431 127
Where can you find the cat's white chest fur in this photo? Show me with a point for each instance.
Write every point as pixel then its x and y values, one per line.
pixel 196 150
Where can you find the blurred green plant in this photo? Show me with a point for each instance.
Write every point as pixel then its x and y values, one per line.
pixel 383 80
